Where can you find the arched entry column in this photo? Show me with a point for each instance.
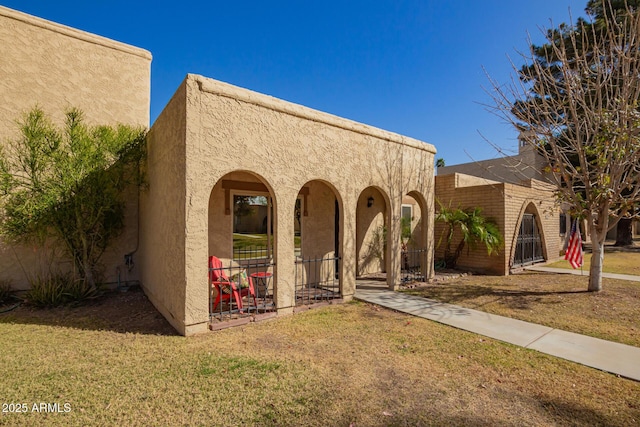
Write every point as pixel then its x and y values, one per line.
pixel 414 250
pixel 242 257
pixel 373 231
pixel 318 243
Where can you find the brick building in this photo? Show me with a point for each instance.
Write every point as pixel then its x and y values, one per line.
pixel 525 213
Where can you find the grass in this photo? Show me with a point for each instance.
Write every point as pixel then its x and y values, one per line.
pixel 556 300
pixel 255 243
pixel 614 262
pixel 243 241
pixel 116 363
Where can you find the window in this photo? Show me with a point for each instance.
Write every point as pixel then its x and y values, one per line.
pixel 252 235
pixel 563 224
pixel 407 213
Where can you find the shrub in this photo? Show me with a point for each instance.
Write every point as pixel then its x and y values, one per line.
pixel 474 228
pixel 80 290
pixel 5 291
pixel 65 184
pixel 58 289
pixel 46 291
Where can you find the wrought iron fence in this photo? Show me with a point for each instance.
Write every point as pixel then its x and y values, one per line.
pixel 317 280
pixel 412 262
pixel 251 253
pixel 529 243
pixel 240 289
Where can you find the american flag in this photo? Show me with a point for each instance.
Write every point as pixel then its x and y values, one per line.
pixel 574 251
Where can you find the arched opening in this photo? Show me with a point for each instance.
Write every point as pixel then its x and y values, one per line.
pixel 371 234
pixel 529 245
pixel 413 245
pixel 317 239
pixel 241 236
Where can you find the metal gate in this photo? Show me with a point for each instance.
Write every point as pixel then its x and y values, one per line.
pixel 529 243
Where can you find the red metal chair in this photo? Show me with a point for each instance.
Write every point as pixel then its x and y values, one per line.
pixel 226 288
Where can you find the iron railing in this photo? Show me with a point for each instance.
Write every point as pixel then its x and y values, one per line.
pixel 529 243
pixel 256 252
pixel 251 253
pixel 317 280
pixel 256 299
pixel 412 262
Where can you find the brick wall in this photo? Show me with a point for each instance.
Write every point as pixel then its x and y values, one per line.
pixel 505 204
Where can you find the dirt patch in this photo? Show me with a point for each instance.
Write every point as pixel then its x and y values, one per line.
pixel 440 277
pixel 129 311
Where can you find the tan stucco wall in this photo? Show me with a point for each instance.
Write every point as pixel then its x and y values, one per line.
pixel 504 203
pixel 162 211
pixel 318 225
pixel 232 129
pixel 57 67
pixel 370 222
pixel 318 232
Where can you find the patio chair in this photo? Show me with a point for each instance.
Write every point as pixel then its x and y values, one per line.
pixel 227 288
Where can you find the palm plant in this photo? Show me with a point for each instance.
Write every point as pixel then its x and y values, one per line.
pixel 473 226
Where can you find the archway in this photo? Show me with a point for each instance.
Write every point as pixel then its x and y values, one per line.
pixel 241 235
pixel 317 239
pixel 413 234
pixel 371 233
pixel 529 245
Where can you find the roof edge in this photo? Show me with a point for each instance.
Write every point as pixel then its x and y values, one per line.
pixel 227 90
pixel 74 33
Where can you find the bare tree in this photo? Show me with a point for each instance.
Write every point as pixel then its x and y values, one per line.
pixel 577 104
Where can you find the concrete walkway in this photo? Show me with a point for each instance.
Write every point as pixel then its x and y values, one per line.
pixel 582 273
pixel 620 359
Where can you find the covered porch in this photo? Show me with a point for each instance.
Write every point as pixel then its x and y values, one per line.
pixel 217 150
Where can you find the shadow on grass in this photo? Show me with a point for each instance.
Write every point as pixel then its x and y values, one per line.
pixel 578 414
pixel 454 293
pixel 122 312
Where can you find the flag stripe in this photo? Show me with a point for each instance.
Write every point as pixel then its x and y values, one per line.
pixel 574 252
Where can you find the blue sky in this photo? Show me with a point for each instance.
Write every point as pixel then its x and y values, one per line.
pixel 411 67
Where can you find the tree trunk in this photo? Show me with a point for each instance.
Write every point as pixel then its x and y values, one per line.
pixel 458 252
pixel 624 236
pixel 597 258
pixel 449 259
pixel 88 275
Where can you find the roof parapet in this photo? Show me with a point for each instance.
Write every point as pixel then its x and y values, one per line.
pixel 227 90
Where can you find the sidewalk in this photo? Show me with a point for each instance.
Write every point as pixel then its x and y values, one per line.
pixel 620 359
pixel 582 273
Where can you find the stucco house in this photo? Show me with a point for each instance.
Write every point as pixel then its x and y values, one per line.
pixel 211 142
pixel 56 67
pixel 214 140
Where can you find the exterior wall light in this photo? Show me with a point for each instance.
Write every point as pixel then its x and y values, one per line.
pixel 370 202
